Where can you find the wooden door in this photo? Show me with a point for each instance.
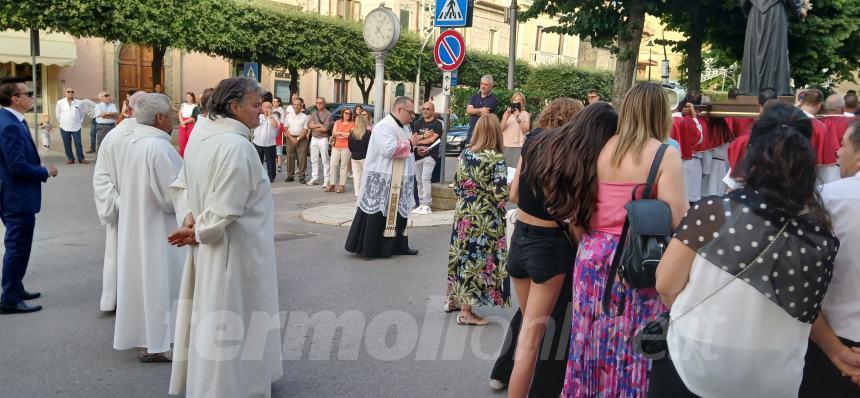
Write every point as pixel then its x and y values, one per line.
pixel 135 68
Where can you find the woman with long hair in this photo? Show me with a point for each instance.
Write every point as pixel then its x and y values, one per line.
pixel 187 117
pixel 359 139
pixel 340 156
pixel 549 368
pixel 602 361
pixel 746 273
pixel 559 180
pixel 478 252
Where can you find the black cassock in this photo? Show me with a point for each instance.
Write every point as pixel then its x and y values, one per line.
pixel 765 62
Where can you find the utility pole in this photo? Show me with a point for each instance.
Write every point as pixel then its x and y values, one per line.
pixel 512 44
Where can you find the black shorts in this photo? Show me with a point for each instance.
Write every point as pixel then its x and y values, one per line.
pixel 539 253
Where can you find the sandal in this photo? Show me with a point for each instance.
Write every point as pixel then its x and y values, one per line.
pixel 328 188
pixel 471 320
pixel 450 307
pixel 340 189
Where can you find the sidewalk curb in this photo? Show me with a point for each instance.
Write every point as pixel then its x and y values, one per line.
pixel 342 214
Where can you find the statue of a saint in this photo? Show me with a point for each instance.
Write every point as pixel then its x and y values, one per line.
pixel 765 62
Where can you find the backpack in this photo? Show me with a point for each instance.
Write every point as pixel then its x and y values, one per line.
pixel 644 238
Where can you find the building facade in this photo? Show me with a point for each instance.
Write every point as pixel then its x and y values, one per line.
pixel 90 65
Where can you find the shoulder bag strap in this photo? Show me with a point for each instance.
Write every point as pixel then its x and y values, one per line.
pixel 738 275
pixel 655 167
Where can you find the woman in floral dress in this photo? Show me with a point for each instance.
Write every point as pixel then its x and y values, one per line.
pixel 477 257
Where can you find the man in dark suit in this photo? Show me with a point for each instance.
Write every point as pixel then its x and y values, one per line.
pixel 21 178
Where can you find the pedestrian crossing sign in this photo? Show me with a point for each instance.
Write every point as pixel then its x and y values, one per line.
pixel 454 13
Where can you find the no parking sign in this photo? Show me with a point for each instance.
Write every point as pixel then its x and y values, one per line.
pixel 450 50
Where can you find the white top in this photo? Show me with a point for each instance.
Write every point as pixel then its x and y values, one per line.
pixel 280 110
pixel 105 107
pixel 265 134
pixel 295 123
pixel 841 305
pixel 720 351
pixel 70 115
pixel 187 109
pixel 378 168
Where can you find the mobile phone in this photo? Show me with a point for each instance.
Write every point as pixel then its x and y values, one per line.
pixel 517 106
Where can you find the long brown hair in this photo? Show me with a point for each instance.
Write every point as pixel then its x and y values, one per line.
pixel 487 134
pixel 644 114
pixel 558 112
pixel 563 162
pixel 360 128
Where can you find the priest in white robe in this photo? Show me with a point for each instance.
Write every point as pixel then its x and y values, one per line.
pixel 149 268
pixel 228 341
pixel 106 182
pixel 387 187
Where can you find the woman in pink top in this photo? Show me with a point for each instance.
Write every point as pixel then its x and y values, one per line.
pixel 602 361
pixel 516 122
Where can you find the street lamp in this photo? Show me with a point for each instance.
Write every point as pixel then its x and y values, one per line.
pixel 650 51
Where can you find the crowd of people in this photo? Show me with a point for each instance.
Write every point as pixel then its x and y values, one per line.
pixel 758 207
pixel 749 291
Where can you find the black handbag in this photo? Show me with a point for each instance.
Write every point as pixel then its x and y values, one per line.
pixel 644 238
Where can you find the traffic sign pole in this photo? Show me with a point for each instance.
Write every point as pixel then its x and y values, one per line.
pixel 449 52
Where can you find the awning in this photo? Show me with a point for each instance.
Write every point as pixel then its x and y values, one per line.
pixel 55 48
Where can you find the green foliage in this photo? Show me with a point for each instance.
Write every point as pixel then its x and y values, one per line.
pixel 564 81
pixel 543 85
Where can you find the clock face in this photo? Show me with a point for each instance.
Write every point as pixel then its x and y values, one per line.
pixel 380 30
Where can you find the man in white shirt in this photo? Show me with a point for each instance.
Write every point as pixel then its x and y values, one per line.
pixel 106 114
pixel 833 362
pixel 296 141
pixel 264 139
pixel 70 117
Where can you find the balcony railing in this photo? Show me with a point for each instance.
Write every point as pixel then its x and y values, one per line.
pixel 544 58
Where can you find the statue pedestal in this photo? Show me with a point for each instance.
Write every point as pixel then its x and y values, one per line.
pixel 742 106
pixel 443 197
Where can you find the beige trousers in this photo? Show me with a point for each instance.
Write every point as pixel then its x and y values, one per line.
pixel 340 158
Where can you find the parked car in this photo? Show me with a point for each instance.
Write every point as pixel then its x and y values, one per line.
pixel 337 109
pixel 456 140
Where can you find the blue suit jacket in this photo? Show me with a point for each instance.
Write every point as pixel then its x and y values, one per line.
pixel 21 173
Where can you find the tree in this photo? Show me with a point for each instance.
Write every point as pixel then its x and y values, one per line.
pixel 616 25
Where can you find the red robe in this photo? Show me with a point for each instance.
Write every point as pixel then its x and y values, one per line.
pixel 685 132
pixel 737 151
pixel 837 125
pixel 741 125
pixel 824 145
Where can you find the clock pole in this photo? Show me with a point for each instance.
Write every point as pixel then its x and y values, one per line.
pixel 379 57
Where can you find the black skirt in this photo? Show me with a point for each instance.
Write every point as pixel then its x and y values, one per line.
pixel 365 236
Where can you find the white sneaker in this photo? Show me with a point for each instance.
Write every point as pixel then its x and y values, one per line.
pixel 498 385
pixel 425 210
pixel 311 182
pixel 417 210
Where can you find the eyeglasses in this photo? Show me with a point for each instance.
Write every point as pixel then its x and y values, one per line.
pixel 27 93
pixel 70 91
pixel 347 113
pixel 426 109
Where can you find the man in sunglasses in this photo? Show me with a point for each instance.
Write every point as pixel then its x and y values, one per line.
pixel 21 178
pixel 70 116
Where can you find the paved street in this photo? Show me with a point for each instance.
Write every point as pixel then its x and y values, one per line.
pixel 392 338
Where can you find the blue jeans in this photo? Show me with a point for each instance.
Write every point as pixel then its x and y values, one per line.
pixel 93 139
pixel 68 136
